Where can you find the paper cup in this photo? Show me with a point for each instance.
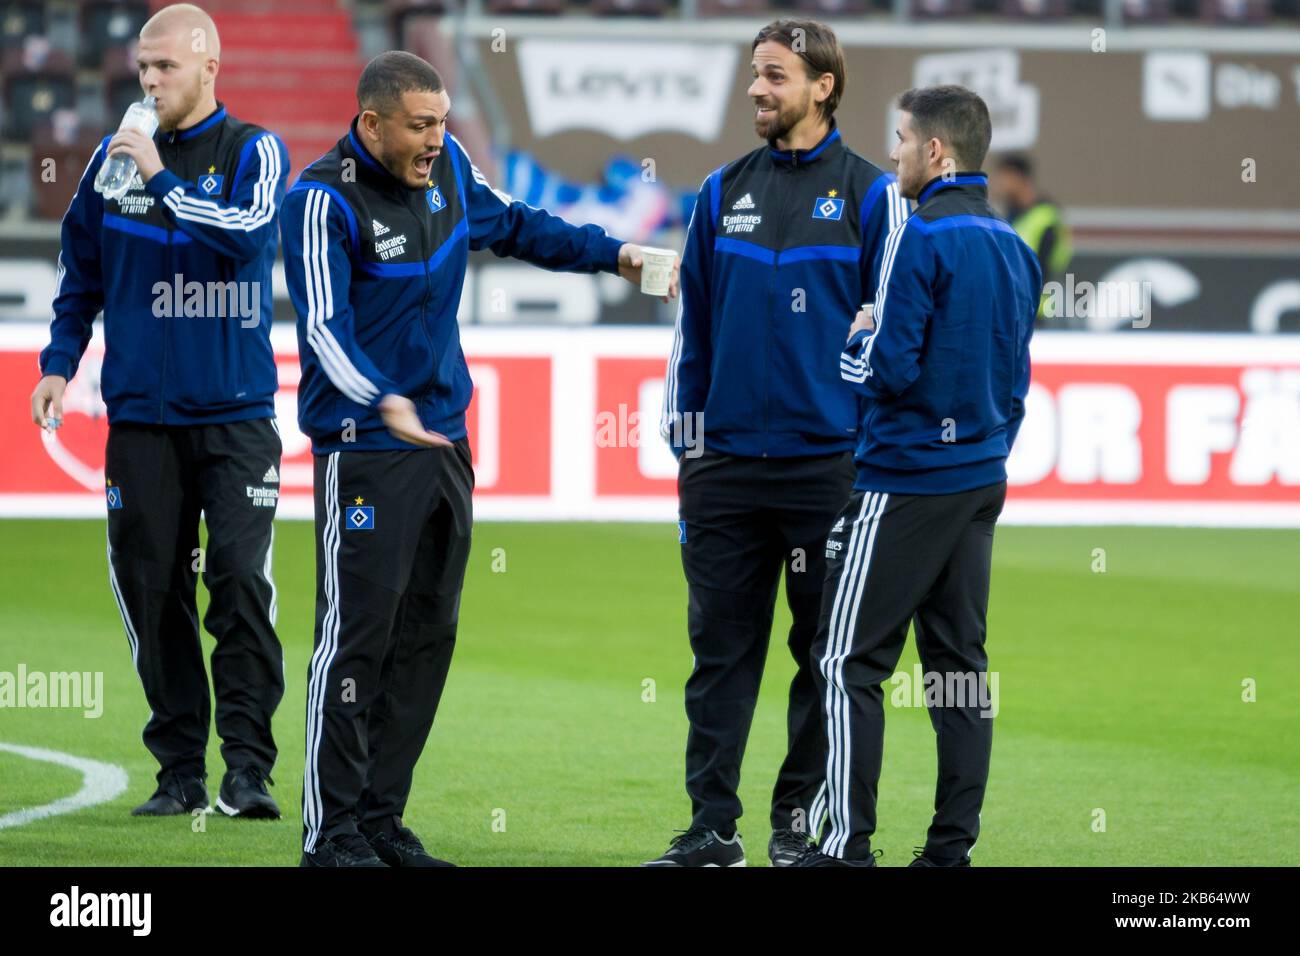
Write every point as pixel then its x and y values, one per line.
pixel 656 270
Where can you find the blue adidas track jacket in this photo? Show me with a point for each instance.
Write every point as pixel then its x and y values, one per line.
pixel 181 267
pixel 375 271
pixel 778 260
pixel 943 376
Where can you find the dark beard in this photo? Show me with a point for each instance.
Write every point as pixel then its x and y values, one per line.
pixel 781 127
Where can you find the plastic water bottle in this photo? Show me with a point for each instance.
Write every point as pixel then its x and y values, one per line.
pixel 118 171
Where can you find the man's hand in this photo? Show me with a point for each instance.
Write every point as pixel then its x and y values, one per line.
pixel 139 147
pixel 47 402
pixel 398 413
pixel 629 267
pixel 864 321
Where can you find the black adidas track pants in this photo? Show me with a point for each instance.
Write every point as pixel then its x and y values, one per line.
pixel 897 560
pixel 743 520
pixel 159 479
pixel 392 541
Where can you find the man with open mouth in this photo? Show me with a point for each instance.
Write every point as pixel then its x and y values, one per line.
pixel 377 234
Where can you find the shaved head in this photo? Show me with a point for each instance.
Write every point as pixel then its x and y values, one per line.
pixel 193 22
pixel 179 57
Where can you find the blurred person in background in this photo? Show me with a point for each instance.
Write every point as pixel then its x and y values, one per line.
pixel 1036 219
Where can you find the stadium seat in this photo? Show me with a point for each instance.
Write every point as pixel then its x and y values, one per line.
pixel 267 7
pixel 1034 9
pixel 38 81
pixel 1146 11
pixel 69 145
pixel 726 8
pixel 119 93
pixel 105 24
pixel 542 7
pixel 940 9
pixel 840 8
pixel 1248 12
pixel 120 59
pixel 634 8
pixel 19 21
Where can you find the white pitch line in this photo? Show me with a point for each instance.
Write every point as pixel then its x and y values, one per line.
pixel 100 783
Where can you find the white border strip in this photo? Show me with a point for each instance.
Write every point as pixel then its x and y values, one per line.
pixel 1136 347
pixel 649 509
pixel 880 32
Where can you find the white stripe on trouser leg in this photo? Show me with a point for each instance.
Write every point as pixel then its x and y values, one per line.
pixel 816 812
pixel 325 652
pixel 131 637
pixel 858 565
pixel 322 657
pixel 848 627
pixel 849 624
pixel 266 573
pixel 837 783
pixel 846 574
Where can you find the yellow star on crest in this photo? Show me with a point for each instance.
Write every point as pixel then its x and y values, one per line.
pixel 833 193
pixel 360 500
pixel 212 169
pixel 430 183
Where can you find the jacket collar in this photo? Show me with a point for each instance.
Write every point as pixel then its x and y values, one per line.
pixel 829 145
pixel 199 129
pixel 975 183
pixel 352 146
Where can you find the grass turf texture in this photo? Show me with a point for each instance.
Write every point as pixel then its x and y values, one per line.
pixel 1119 692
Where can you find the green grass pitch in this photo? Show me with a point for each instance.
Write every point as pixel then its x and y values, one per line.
pixel 1121 693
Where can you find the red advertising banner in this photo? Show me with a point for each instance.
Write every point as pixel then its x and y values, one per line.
pixel 1126 428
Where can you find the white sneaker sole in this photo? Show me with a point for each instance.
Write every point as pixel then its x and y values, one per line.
pixel 230 811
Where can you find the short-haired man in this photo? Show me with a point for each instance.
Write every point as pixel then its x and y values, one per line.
pixel 941 361
pixel 377 233
pixel 190 393
pixel 778 258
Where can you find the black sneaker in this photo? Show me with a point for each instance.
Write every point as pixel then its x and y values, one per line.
pixel 176 794
pixel 402 848
pixel 815 857
pixel 787 846
pixel 920 859
pixel 344 849
pixel 700 846
pixel 243 794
